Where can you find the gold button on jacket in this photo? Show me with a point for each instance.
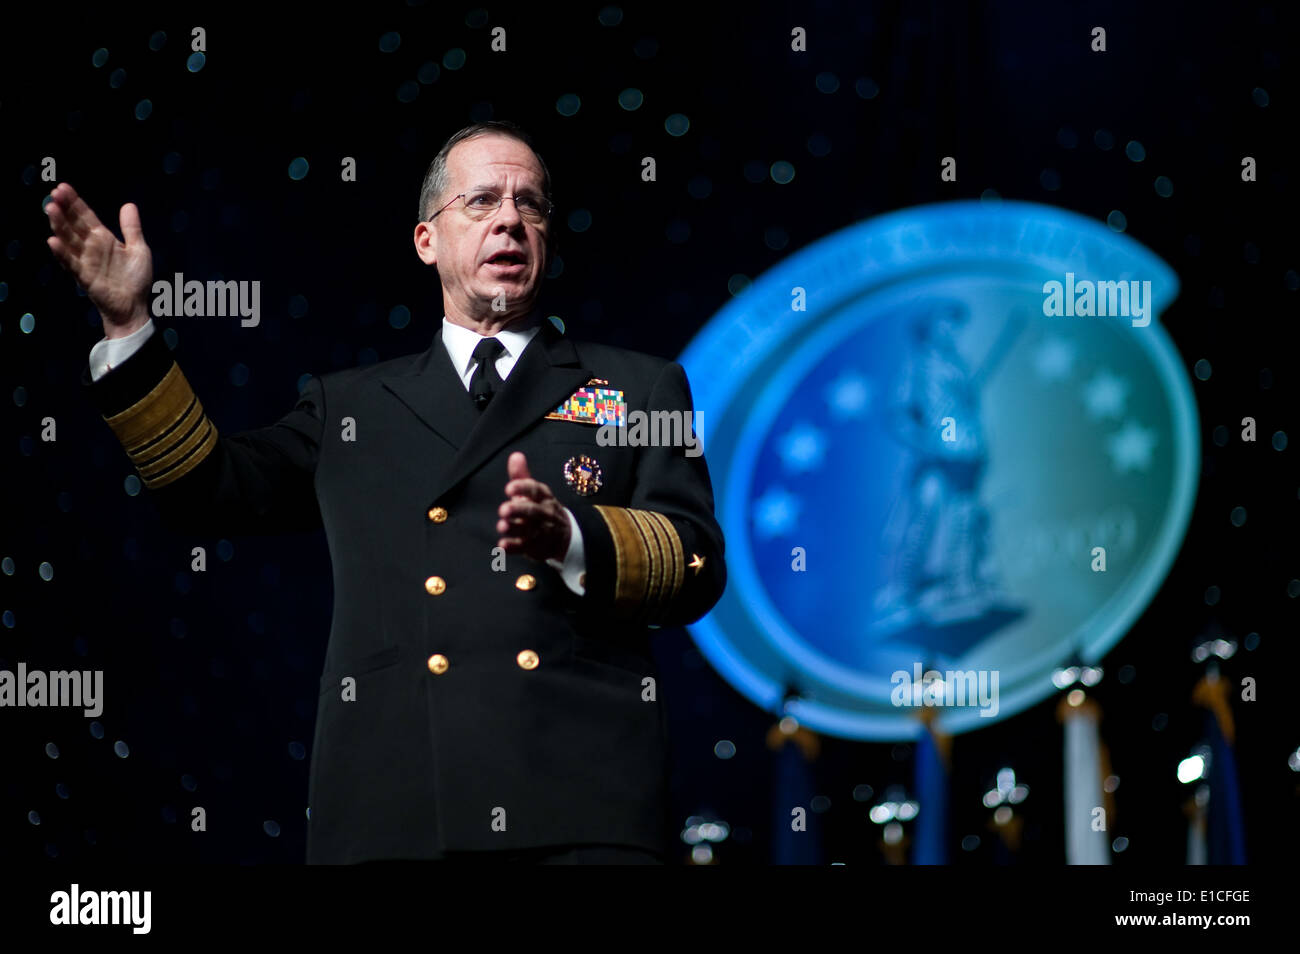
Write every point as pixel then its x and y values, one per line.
pixel 526 582
pixel 438 664
pixel 527 659
pixel 437 514
pixel 434 585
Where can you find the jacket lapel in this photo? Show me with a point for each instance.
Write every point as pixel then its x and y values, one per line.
pixel 546 373
pixel 433 393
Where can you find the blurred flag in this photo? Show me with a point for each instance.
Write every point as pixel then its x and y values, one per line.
pixel 1225 829
pixel 795 749
pixel 1194 809
pixel 933 754
pixel 1085 843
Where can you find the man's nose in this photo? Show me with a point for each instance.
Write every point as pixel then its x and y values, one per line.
pixel 508 214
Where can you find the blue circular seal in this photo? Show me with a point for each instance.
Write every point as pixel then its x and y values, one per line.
pixel 952 443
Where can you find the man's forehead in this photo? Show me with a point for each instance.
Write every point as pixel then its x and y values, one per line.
pixel 488 159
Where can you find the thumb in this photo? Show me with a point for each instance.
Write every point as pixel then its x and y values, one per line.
pixel 129 220
pixel 517 466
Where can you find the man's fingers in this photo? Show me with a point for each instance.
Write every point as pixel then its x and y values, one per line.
pixel 59 222
pixel 517 524
pixel 65 260
pixel 528 510
pixel 65 255
pixel 80 215
pixel 81 218
pixel 73 241
pixel 58 250
pixel 69 249
pixel 525 517
pixel 528 487
pixel 519 508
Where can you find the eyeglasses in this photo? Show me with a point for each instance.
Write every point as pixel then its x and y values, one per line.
pixel 482 204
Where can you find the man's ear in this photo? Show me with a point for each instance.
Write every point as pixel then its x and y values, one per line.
pixel 426 243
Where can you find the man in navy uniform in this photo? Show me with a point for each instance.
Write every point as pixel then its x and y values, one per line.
pixel 489 689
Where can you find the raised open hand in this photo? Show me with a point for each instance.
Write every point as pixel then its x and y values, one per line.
pixel 116 275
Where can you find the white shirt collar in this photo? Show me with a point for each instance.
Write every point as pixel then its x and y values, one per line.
pixel 461 342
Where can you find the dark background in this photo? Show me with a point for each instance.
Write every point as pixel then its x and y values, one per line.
pixel 210 678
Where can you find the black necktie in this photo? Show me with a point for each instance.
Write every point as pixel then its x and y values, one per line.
pixel 486 382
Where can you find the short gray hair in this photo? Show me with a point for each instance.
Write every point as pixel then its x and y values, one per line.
pixel 435 179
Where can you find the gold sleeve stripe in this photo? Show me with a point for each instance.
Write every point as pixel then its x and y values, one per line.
pixel 181 451
pixel 152 414
pixel 192 460
pixel 630 558
pixel 654 553
pixel 151 449
pixel 676 568
pixel 661 548
pixel 165 433
pixel 649 560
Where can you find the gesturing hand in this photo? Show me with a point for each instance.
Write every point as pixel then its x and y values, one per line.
pixel 536 521
pixel 115 275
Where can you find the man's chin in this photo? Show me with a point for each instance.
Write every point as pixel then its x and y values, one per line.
pixel 513 290
pixel 515 303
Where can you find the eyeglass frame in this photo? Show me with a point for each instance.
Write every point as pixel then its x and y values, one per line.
pixel 550 210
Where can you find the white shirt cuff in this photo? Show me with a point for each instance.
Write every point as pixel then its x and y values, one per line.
pixel 110 352
pixel 573 568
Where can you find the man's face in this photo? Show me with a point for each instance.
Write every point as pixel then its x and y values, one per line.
pixel 463 240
